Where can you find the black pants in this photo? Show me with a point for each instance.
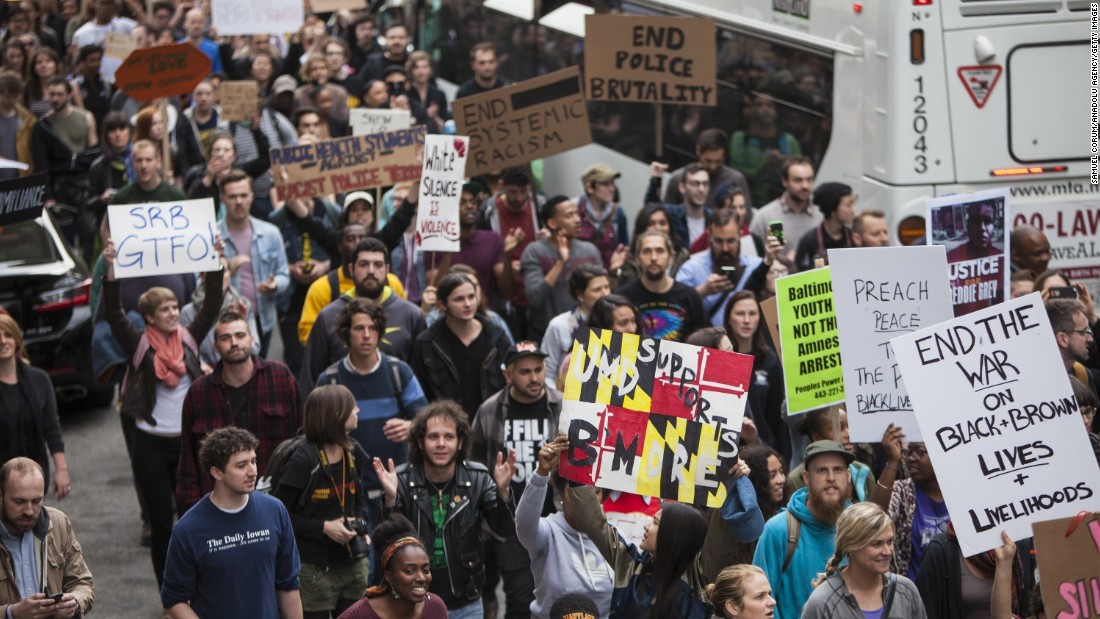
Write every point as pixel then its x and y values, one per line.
pixel 155 461
pixel 514 566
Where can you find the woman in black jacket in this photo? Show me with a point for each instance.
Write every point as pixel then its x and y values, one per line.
pixel 766 394
pixel 201 181
pixel 427 101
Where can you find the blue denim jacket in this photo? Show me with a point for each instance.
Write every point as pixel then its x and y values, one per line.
pixel 268 258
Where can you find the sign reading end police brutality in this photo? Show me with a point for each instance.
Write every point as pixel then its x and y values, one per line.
pixel 879 293
pixel 650 59
pixel 1000 421
pixel 440 192
pixel 164 237
pixel 535 118
pixel 348 164
pixel 653 417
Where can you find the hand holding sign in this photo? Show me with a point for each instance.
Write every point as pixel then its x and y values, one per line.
pixel 551 453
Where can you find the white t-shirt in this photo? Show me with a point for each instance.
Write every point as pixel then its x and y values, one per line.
pixel 168 410
pixel 92 33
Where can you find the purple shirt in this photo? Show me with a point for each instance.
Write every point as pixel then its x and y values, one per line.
pixel 929 520
pixel 482 250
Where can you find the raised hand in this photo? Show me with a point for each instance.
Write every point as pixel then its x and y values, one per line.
pixel 503 472
pixel 891 441
pixel 387 478
pixel 550 454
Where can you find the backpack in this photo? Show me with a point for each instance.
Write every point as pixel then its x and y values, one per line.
pixel 278 460
pixel 794 530
pixel 332 377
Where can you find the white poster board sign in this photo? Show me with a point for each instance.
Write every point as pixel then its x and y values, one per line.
pixel 440 192
pixel 368 121
pixel 1000 421
pixel 879 293
pixel 164 237
pixel 257 16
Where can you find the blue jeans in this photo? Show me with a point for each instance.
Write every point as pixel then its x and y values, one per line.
pixel 473 610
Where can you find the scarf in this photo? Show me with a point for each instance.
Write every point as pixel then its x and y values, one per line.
pixel 167 356
pixel 122 160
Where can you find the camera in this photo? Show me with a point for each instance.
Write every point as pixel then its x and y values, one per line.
pixel 358 546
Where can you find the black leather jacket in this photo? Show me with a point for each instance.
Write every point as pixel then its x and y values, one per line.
pixel 474 500
pixel 432 361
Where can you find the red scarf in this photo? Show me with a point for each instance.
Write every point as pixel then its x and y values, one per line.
pixel 167 355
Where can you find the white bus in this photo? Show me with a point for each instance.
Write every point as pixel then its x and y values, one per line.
pixel 902 99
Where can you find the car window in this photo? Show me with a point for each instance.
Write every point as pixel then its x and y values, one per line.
pixel 27 242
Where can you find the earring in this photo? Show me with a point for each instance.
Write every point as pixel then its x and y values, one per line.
pixel 396 595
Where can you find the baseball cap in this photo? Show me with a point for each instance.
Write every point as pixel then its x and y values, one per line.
pixel 358 195
pixel 599 173
pixel 526 348
pixel 574 606
pixel 817 448
pixel 284 83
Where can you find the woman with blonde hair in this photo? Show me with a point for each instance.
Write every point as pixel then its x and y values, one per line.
pixel 864 588
pixel 741 592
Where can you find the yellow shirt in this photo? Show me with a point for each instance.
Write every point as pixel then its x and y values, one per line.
pixel 320 294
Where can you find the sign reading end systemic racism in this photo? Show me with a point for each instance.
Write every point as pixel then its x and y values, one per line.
pixel 163 71
pixel 653 417
pixel 440 192
pixel 1000 421
pixel 650 59
pixel 812 373
pixel 164 237
pixel 1068 553
pixel 879 293
pixel 972 226
pixel 516 124
pixel 22 198
pixel 348 164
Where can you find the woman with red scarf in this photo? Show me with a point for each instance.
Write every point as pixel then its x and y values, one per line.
pixel 163 362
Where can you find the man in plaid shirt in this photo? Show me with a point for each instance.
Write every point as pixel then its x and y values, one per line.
pixel 245 391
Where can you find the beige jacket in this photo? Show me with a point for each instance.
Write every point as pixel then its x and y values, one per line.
pixel 63 563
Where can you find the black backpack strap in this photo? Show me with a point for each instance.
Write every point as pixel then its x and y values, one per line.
pixel 332 373
pixel 398 385
pixel 334 283
pixel 314 475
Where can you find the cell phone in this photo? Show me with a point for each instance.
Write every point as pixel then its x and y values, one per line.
pixel 56 597
pixel 776 229
pixel 1062 292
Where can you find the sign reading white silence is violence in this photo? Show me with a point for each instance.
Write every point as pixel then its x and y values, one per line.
pixel 1000 421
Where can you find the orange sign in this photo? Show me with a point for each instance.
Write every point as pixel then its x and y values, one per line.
pixel 163 71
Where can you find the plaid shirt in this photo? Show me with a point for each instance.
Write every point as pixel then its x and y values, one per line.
pixel 273 414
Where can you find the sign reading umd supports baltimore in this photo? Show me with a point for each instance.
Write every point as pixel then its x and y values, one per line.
pixel 808 336
pixel 650 59
pixel 879 293
pixel 348 164
pixel 516 124
pixel 653 417
pixel 1000 421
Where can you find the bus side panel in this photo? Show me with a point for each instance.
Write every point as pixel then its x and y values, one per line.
pixel 909 132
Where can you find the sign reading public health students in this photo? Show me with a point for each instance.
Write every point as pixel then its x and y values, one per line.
pixel 164 237
pixel 650 59
pixel 440 192
pixel 811 347
pixel 1000 421
pixel 879 293
pixel 653 417
pixel 972 226
pixel 257 16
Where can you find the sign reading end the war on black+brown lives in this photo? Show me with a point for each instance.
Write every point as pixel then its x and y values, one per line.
pixel 650 59
pixel 516 124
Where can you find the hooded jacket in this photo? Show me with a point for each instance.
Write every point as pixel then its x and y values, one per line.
pixel 63 564
pixel 832 600
pixel 816 543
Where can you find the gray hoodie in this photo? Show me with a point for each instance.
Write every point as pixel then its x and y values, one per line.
pixel 563 560
pixel 832 600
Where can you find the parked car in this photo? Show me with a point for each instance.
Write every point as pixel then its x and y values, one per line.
pixel 45 286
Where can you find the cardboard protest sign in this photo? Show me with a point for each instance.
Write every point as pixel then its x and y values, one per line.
pixel 1000 421
pixel 365 121
pixel 119 45
pixel 164 237
pixel 1069 565
pixel 440 192
pixel 808 336
pixel 650 59
pixel 769 313
pixel 516 124
pixel 329 6
pixel 347 164
pixel 880 292
pixel 163 71
pixel 240 99
pixel 653 417
pixel 257 16
pixel 22 198
pixel 972 226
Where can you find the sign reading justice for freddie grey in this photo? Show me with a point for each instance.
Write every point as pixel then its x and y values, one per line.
pixel 881 292
pixel 1000 421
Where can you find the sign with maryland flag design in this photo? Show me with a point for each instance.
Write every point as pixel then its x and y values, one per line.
pixel 653 417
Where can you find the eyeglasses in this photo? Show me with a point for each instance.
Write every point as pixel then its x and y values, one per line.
pixel 914 453
pixel 1085 332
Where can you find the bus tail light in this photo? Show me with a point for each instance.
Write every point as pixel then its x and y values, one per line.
pixel 922 2
pixel 1027 171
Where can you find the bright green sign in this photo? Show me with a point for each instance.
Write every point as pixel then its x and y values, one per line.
pixel 811 347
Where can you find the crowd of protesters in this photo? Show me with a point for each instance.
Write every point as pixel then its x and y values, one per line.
pixel 408 437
